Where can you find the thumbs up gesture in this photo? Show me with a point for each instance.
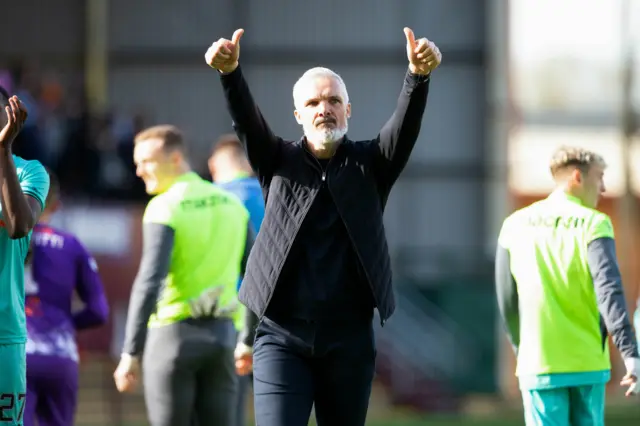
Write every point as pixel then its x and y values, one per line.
pixel 424 56
pixel 223 54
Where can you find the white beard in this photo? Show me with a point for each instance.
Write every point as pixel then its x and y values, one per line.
pixel 324 136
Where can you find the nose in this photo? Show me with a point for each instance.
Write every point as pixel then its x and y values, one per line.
pixel 323 108
pixel 139 170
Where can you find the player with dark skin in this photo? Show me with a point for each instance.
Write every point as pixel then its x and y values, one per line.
pixel 20 212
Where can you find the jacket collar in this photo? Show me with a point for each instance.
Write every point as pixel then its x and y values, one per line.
pixel 340 151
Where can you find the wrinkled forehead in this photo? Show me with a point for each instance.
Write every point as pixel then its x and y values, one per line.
pixel 322 87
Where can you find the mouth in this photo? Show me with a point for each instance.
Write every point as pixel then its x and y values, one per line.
pixel 327 121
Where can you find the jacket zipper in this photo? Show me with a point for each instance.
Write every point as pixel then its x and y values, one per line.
pixel 373 293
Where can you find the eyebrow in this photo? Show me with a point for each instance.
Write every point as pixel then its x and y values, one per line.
pixel 333 97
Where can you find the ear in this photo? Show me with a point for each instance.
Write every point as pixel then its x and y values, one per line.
pixel 212 168
pixel 576 175
pixel 298 117
pixel 176 157
pixel 348 110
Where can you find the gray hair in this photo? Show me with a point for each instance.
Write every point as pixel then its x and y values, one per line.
pixel 312 74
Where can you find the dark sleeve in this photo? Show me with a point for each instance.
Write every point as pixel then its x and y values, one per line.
pixel 261 145
pixel 603 264
pixel 399 135
pixel 248 333
pixel 251 239
pixel 507 294
pixel 157 245
pixel 91 291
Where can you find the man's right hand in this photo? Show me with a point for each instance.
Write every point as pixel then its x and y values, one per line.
pixel 127 373
pixel 16 114
pixel 223 54
pixel 631 379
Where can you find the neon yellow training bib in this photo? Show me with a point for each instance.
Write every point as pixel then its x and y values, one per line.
pixel 559 317
pixel 210 226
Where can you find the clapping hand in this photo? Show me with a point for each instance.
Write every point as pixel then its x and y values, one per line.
pixel 16 115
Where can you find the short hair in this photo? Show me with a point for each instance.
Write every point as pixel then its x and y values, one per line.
pixel 54 187
pixel 171 136
pixel 312 74
pixel 567 157
pixel 228 142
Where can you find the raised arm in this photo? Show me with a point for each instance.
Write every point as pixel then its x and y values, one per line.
pixel 399 135
pixel 23 197
pixel 261 144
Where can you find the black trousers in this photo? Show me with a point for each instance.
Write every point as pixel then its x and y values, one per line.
pixel 299 363
pixel 189 373
pixel 244 387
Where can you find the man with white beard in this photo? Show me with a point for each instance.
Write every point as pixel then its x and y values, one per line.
pixel 320 263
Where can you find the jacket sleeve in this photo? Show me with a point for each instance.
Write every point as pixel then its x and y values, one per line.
pixel 248 333
pixel 399 135
pixel 261 145
pixel 157 246
pixel 507 295
pixel 603 264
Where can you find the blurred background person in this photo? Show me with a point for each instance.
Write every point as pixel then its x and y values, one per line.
pixel 561 295
pixel 230 169
pixel 28 87
pixel 184 308
pixel 58 270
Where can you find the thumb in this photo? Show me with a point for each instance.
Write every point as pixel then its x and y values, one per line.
pixel 235 39
pixel 411 39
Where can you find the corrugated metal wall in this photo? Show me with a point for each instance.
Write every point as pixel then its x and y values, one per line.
pixel 437 208
pixel 436 214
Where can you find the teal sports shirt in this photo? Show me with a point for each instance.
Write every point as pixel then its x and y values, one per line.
pixel 34 181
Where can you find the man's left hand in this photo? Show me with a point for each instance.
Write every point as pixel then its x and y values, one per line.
pixel 127 374
pixel 424 56
pixel 16 116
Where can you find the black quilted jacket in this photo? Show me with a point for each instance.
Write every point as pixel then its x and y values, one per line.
pixel 359 177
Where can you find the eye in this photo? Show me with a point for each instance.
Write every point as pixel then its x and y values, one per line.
pixel 312 103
